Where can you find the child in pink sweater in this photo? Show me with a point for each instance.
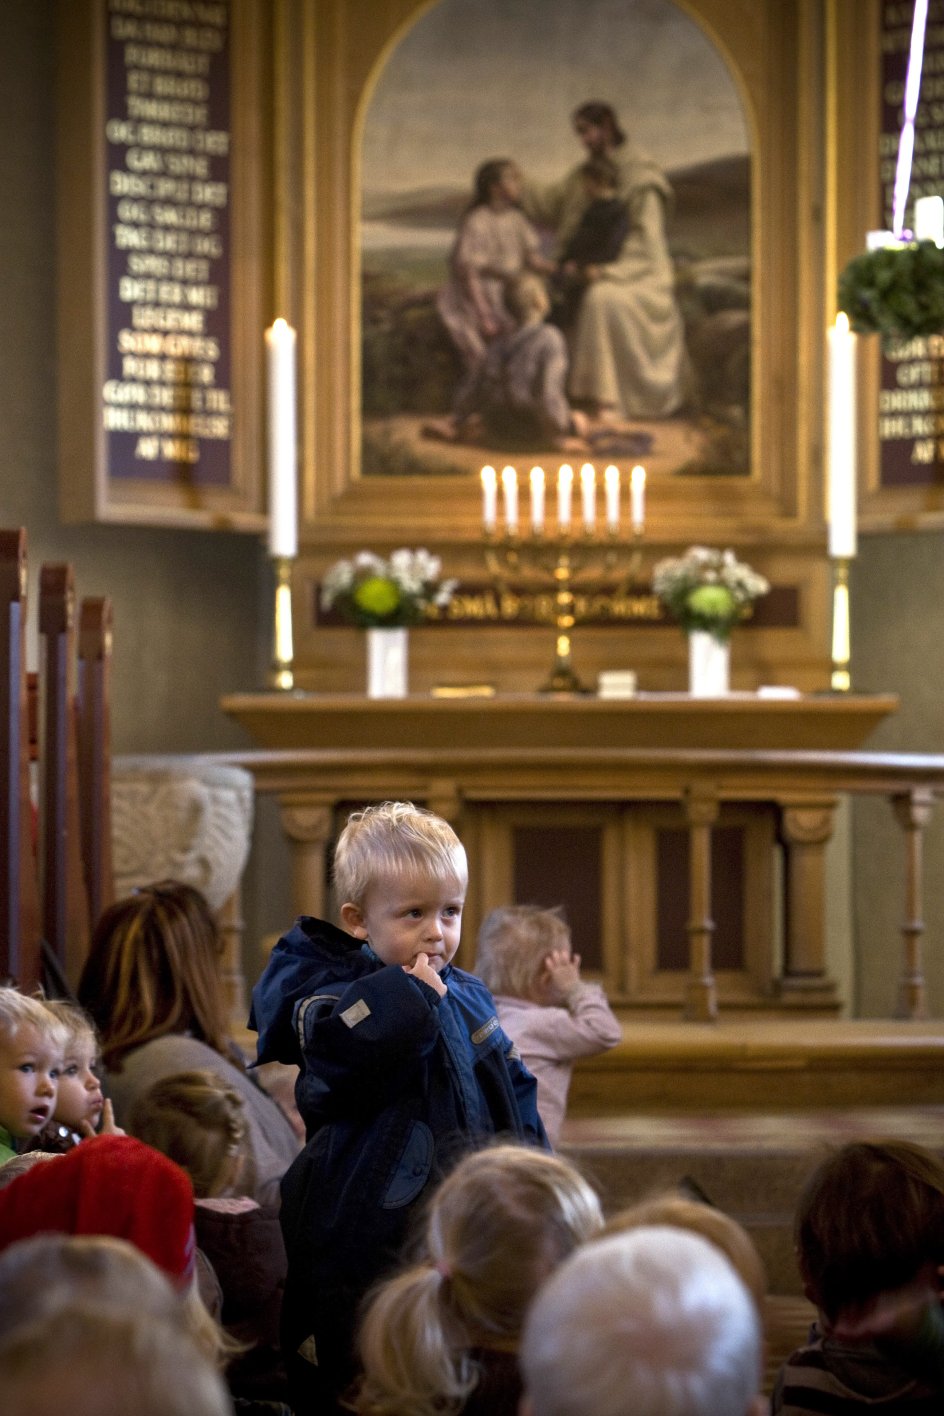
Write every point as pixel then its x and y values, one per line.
pixel 550 1014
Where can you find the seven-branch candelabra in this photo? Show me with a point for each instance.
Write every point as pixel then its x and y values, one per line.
pixel 572 558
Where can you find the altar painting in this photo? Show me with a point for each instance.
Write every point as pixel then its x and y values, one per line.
pixel 472 115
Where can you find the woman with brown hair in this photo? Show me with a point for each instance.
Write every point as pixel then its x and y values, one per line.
pixel 152 985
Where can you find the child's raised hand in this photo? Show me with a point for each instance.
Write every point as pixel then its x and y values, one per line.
pixel 561 973
pixel 107 1125
pixel 422 969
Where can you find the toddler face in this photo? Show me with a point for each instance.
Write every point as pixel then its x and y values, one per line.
pixel 80 1092
pixel 404 919
pixel 29 1076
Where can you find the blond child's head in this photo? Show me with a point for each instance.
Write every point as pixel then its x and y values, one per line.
pixel 526 298
pixel 394 841
pixel 514 942
pixel 498 1225
pixel 679 1211
pixel 79 1101
pixel 93 1359
pixel 400 876
pixel 197 1120
pixel 32 1043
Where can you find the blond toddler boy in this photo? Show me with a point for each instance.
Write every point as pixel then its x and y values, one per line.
pixel 32 1042
pixel 404 1067
pixel 81 1109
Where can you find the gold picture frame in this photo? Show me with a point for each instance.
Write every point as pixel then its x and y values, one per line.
pixel 332 52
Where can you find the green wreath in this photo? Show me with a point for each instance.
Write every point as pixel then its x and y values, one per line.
pixel 895 291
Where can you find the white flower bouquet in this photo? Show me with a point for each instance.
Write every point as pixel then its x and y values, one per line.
pixel 375 593
pixel 707 589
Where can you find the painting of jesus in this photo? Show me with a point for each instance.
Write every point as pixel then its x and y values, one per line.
pixel 555 242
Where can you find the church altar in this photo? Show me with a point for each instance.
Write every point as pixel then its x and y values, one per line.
pixel 686 839
pixel 823 722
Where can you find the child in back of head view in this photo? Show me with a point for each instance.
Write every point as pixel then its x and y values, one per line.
pixel 550 1014
pixel 199 1121
pixel 869 1234
pixel 32 1043
pixel 442 1336
pixel 404 1067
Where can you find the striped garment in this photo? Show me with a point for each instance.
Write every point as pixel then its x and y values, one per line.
pixel 828 1378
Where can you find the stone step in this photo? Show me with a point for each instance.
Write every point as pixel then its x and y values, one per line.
pixel 750 1165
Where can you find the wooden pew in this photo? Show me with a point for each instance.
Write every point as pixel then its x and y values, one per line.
pixel 54 880
pixel 94 752
pixel 65 902
pixel 20 928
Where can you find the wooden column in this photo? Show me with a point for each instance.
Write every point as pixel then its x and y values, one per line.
pixel 913 812
pixel 805 830
pixel 65 906
pixel 701 812
pixel 308 829
pixel 20 927
pixel 94 752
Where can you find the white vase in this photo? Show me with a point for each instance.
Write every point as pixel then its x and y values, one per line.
pixel 709 665
pixel 387 662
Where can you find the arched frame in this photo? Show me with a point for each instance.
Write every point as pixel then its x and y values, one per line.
pixel 799 68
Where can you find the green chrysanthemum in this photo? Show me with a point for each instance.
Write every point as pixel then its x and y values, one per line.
pixel 376 596
pixel 711 602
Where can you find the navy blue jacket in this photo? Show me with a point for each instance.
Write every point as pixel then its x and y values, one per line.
pixel 396 1084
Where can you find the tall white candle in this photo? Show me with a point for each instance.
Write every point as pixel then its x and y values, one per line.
pixel 489 497
pixel 565 486
pixel 611 486
pixel 588 489
pixel 637 497
pixel 841 439
pixel 929 220
pixel 537 498
pixel 283 440
pixel 510 491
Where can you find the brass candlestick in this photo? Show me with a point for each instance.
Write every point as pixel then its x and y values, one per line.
pixel 841 680
pixel 282 675
pixel 570 561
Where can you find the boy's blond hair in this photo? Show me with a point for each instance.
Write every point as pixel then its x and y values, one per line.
pixel 78 1025
pixel 391 840
pixel 514 941
pixel 18 1010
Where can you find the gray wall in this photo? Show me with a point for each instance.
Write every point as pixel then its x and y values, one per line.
pixel 191 608
pixel 897 594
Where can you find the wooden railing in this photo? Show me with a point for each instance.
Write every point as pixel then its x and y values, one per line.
pixel 802 788
pixel 55 874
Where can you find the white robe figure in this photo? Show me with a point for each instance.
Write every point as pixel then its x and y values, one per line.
pixel 627 345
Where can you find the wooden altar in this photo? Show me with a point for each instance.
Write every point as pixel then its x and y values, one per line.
pixel 821 722
pixel 685 838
